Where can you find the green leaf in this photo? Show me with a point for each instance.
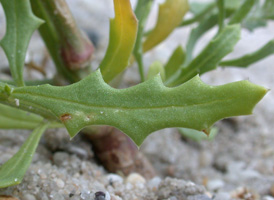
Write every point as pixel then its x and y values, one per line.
pixel 175 61
pixel 268 8
pixel 12 172
pixel 198 7
pixel 154 69
pixel 198 135
pixel 122 36
pixel 14 118
pixel 142 11
pixel 232 5
pixel 21 23
pixel 200 10
pixel 242 12
pixel 259 15
pixel 18 119
pixel 196 33
pixel 251 58
pixel 139 110
pixel 221 15
pixel 212 54
pixel 170 15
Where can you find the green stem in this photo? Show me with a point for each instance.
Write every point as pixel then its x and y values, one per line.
pixel 242 12
pixel 67 46
pixel 199 16
pixel 142 10
pixel 221 15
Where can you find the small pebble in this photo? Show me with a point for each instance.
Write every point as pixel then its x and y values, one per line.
pixel 60 183
pixel 60 157
pixel 114 197
pixel 28 197
pixel 154 183
pixel 135 178
pixel 268 198
pixel 214 185
pixel 199 197
pixel 102 196
pixel 114 178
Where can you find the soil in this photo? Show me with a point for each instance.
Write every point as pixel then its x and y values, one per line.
pixel 237 164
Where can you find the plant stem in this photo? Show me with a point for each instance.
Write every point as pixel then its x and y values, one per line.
pixel 199 16
pixel 142 10
pixel 70 49
pixel 117 152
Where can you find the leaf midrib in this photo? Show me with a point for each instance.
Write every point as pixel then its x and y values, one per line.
pixel 124 108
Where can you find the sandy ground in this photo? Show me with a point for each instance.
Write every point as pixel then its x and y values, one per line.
pixel 238 163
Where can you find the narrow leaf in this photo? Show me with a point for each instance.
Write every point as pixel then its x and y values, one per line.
pixel 242 12
pixel 212 54
pixel 12 172
pixel 197 32
pixel 14 118
pixel 122 36
pixel 200 10
pixel 268 8
pixel 21 23
pixel 142 109
pixel 259 15
pixel 251 58
pixel 170 15
pixel 175 61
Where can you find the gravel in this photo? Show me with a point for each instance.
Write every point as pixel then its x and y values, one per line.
pixel 238 164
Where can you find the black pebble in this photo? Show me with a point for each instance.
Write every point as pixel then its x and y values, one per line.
pixel 100 196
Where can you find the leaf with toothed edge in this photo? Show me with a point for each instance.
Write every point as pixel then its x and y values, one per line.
pixel 142 109
pixel 21 23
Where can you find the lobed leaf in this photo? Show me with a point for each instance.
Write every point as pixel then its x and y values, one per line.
pixel 122 36
pixel 251 58
pixel 12 172
pixel 139 110
pixel 21 23
pixel 212 54
pixel 170 15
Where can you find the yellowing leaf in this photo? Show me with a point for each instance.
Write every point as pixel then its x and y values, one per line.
pixel 170 15
pixel 122 36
